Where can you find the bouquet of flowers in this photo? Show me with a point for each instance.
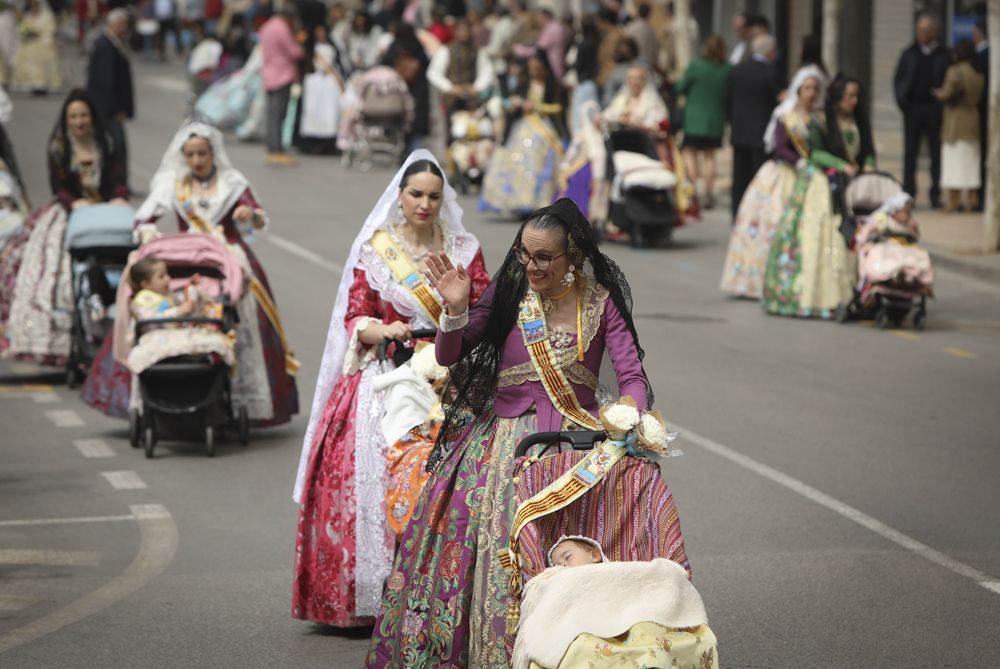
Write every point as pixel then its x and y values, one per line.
pixel 644 435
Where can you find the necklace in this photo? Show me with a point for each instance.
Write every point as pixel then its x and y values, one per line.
pixel 548 301
pixel 205 184
pixel 396 232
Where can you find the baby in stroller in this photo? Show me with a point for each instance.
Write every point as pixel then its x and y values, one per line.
pixel 895 275
pixel 154 300
pixel 577 508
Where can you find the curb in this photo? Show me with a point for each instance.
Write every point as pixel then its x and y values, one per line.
pixel 968 266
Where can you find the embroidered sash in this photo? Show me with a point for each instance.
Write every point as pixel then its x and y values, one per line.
pixel 535 332
pixel 798 130
pixel 258 290
pixel 557 495
pixel 407 273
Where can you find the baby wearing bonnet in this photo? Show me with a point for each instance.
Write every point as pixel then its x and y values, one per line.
pixel 586 610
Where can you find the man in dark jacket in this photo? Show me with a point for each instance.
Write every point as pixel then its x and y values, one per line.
pixel 109 80
pixel 920 70
pixel 752 94
pixel 983 51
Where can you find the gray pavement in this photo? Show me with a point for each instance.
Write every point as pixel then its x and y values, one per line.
pixel 838 491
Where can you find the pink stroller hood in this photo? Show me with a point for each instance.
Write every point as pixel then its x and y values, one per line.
pixel 190 250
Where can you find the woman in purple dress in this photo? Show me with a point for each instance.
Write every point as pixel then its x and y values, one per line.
pixel 524 359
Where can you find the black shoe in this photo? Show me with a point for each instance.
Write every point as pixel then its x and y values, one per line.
pixel 936 203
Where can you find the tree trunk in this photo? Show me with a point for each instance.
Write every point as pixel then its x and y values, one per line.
pixel 991 218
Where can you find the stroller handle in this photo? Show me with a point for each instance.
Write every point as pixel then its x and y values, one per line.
pixel 420 333
pixel 580 440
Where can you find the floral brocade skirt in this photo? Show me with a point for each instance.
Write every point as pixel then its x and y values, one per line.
pixel 644 645
pixel 757 218
pixel 521 175
pixel 809 271
pixel 445 604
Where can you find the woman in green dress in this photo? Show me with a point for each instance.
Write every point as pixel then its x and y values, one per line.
pixel 704 84
pixel 810 271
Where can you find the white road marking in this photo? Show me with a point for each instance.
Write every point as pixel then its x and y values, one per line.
pixel 61 521
pixel 149 511
pixel 166 84
pixel 12 603
pixel 156 551
pixel 94 448
pixel 11 556
pixel 124 480
pixel 841 508
pixel 46 398
pixel 304 253
pixel 65 418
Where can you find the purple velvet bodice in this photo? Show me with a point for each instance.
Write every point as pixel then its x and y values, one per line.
pixel 603 325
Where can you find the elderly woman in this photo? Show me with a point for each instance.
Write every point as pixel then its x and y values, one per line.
pixel 446 599
pixel 960 94
pixel 197 186
pixel 637 105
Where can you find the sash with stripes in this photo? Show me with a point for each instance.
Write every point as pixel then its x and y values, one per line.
pixel 263 298
pixel 535 333
pixel 557 495
pixel 408 274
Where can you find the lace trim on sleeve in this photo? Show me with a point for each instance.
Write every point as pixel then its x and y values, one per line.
pixel 359 355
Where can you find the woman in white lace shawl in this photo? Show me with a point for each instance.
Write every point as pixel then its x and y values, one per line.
pixel 344 547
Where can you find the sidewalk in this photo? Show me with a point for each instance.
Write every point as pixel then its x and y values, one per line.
pixel 955 242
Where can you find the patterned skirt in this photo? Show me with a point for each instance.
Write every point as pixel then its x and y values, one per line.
pixel 757 218
pixel 36 289
pixel 445 604
pixel 521 175
pixel 809 272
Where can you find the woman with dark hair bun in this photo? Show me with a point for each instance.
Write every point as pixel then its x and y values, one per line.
pixel 35 278
pixel 445 604
pixel 344 547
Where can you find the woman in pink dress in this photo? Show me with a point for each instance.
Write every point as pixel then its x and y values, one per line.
pixel 344 547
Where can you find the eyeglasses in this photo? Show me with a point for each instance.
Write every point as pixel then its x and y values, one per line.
pixel 542 260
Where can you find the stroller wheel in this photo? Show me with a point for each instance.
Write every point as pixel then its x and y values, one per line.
pixel 243 425
pixel 73 376
pixel 135 428
pixel 843 313
pixel 635 237
pixel 882 319
pixel 149 443
pixel 920 320
pixel 209 441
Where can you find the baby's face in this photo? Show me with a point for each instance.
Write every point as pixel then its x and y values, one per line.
pixel 572 553
pixel 160 281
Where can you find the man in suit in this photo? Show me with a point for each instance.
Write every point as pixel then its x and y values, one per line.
pixel 921 70
pixel 109 80
pixel 751 97
pixel 983 51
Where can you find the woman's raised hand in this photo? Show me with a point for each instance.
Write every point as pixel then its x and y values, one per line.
pixel 453 283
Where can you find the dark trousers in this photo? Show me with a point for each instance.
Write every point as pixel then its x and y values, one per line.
pixel 746 161
pixel 117 131
pixel 922 120
pixel 277 108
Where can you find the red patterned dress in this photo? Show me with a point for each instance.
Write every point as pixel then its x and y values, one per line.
pixel 344 544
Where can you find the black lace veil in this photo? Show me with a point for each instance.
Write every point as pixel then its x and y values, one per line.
pixel 473 382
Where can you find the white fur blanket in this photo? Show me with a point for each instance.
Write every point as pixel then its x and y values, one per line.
pixel 605 600
pixel 157 345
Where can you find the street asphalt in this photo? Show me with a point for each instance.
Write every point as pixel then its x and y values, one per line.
pixel 838 493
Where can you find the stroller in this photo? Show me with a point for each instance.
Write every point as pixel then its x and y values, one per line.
pixel 586 492
pixel 895 276
pixel 472 142
pixel 377 119
pixel 99 240
pixel 643 199
pixel 183 366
